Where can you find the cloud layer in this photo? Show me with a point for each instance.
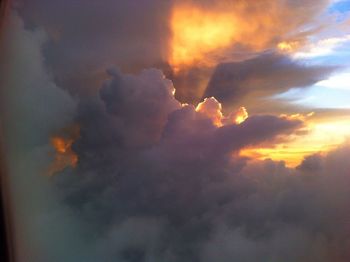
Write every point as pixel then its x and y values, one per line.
pixel 156 179
pixel 138 35
pixel 260 77
pixel 184 194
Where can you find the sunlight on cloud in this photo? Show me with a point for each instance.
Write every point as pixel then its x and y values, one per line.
pixel 212 109
pixel 322 47
pixel 338 81
pixel 203 35
pixel 322 136
pixel 64 155
pixel 197 32
pixel 137 174
pixel 288 46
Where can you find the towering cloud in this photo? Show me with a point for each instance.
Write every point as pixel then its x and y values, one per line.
pixel 33 108
pixel 186 195
pixel 137 175
pixel 87 37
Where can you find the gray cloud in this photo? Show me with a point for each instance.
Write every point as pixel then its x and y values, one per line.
pixel 86 37
pixel 187 196
pixel 33 107
pixel 260 77
pixel 158 181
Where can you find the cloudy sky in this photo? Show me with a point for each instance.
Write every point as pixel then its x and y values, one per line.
pixel 177 131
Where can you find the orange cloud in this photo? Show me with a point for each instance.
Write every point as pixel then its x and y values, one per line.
pixel 239 116
pixel 212 109
pixel 64 155
pixel 320 135
pixel 288 46
pixel 198 32
pixel 202 34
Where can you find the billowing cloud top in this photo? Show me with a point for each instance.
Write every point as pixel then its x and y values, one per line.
pixel 144 161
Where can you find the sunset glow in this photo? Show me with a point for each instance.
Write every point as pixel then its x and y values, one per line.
pixel 321 137
pixel 288 47
pixel 212 109
pixel 176 130
pixel 240 116
pixel 197 32
pixel 64 155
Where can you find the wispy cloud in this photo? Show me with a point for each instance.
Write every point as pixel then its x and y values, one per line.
pixel 322 47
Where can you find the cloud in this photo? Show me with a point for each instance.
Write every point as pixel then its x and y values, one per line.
pixel 141 104
pixel 289 244
pixel 91 36
pixel 157 180
pixel 32 96
pixel 207 33
pixel 289 215
pixel 323 47
pixel 262 76
pixel 123 244
pixel 87 37
pixel 201 29
pixel 188 196
pixel 33 107
pixel 338 81
pixel 180 177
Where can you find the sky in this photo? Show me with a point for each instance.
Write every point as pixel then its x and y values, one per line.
pixel 177 131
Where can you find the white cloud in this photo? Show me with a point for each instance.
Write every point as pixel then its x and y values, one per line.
pixel 322 47
pixel 338 81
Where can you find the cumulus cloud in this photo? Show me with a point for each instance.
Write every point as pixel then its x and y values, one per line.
pixel 87 37
pixel 36 107
pixel 32 108
pixel 187 195
pixel 157 180
pixel 206 33
pixel 141 104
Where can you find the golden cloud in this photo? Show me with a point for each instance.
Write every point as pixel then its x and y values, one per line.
pixel 202 34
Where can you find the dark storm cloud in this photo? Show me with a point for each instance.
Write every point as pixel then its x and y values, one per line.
pixel 190 83
pixel 158 181
pixel 262 76
pixel 186 195
pixel 88 36
pixel 141 104
pixel 287 215
pixel 33 105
